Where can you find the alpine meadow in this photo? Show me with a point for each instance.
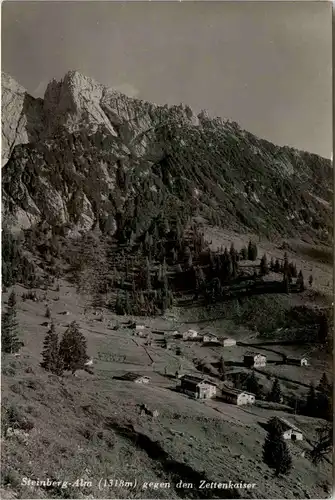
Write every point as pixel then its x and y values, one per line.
pixel 167 309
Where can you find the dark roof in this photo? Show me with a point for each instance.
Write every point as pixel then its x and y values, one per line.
pixel 252 353
pixel 193 379
pixel 132 376
pixel 287 425
pixel 234 391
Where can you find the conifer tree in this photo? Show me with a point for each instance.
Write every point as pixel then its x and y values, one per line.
pixel 293 270
pixel 311 401
pixel 12 299
pixel 127 306
pixel 232 252
pixel 286 267
pixel 300 281
pixel 148 275
pixel 324 384
pixel 275 394
pixel 72 349
pixel 324 444
pixel 51 359
pixel 222 369
pixel 244 253
pixel 275 451
pixel 10 342
pixel 252 251
pixel 252 385
pixel 286 285
pixel 323 330
pixel 277 266
pixel 264 268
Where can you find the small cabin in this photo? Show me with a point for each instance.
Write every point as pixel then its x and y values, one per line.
pixel 228 342
pixel 190 334
pixel 135 377
pixel 290 431
pixel 209 338
pixel 236 396
pixel 297 361
pixel 197 387
pixel 254 360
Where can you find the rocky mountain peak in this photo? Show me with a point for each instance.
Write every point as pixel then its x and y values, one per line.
pixel 95 153
pixel 21 118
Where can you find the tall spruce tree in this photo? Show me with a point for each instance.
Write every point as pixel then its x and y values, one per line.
pixel 244 253
pixel 252 251
pixel 148 274
pixel 275 393
pixel 275 451
pixel 323 330
pixel 324 398
pixel 252 385
pixel 222 369
pixel 324 444
pixel 52 361
pixel 10 342
pixel 72 349
pixel 300 281
pixel 311 401
pixel 264 268
pixel 12 299
pixel 324 384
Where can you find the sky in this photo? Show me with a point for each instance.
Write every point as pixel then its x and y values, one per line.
pixel 266 65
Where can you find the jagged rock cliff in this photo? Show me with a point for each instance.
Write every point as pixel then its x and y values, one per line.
pixel 87 156
pixel 22 116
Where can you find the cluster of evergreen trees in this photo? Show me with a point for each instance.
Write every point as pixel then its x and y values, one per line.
pixel 250 383
pixel 68 354
pixel 275 451
pixel 319 399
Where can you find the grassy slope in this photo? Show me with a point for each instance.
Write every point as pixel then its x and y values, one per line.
pixel 90 425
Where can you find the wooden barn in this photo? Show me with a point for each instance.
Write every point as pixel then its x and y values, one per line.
pixel 236 397
pixel 254 360
pixel 227 342
pixel 290 431
pixel 197 387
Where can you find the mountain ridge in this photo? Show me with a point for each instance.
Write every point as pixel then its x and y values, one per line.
pixel 165 154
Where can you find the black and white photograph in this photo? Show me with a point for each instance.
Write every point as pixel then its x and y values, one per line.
pixel 167 250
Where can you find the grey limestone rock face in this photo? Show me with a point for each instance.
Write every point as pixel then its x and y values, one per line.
pixel 89 156
pixel 22 116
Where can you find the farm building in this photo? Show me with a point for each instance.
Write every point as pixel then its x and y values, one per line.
pixel 254 360
pixel 135 377
pixel 197 387
pixel 190 334
pixel 236 397
pixel 227 342
pixel 209 338
pixel 140 333
pixel 297 361
pixel 290 431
